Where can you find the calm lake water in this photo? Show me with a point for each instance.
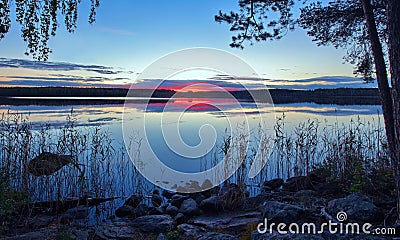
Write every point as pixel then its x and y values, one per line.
pixel 188 117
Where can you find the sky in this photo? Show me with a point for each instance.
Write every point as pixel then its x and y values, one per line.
pixel 129 35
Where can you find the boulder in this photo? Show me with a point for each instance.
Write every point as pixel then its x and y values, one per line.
pixel 125 211
pixel 134 200
pixel 153 223
pixel 141 210
pixel 177 199
pixel 295 184
pixel 47 163
pixel 77 213
pixel 358 208
pixel 279 212
pixel 180 218
pixel 172 211
pixel 188 231
pixel 212 204
pixel 274 184
pixel 217 236
pixel 189 208
pixel 167 194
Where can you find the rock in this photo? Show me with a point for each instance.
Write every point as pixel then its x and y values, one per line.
pixel 255 235
pixel 274 184
pixel 40 221
pixel 278 212
pixel 231 222
pixel 217 236
pixel 188 231
pixel 212 204
pixel 172 211
pixel 329 189
pixel 116 230
pixel 180 218
pixel 156 199
pixel 125 211
pixel 167 194
pixel 189 208
pixel 357 207
pixel 156 211
pixel 198 197
pixel 77 213
pixel 153 223
pixel 134 200
pixel 306 194
pixel 177 199
pixel 47 163
pixel 295 184
pixel 141 210
pixel 161 236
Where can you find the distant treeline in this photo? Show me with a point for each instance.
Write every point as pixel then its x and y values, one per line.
pixel 341 96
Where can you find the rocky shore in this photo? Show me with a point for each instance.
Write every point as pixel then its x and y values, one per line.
pixel 228 212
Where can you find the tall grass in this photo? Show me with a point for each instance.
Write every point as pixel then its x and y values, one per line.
pixel 102 167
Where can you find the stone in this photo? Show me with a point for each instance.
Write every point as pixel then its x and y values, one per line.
pixel 358 207
pixel 180 218
pixel 156 211
pixel 161 236
pixel 77 213
pixel 212 204
pixel 134 200
pixel 177 199
pixel 125 211
pixel 278 212
pixel 47 163
pixel 167 194
pixel 188 231
pixel 295 184
pixel 172 211
pixel 116 230
pixel 274 184
pixel 153 223
pixel 189 208
pixel 141 210
pixel 255 235
pixel 156 199
pixel 217 236
pixel 198 197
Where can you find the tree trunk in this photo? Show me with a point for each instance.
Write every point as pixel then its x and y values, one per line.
pixel 393 14
pixel 391 118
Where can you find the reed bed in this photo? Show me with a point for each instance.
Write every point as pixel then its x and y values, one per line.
pixel 102 167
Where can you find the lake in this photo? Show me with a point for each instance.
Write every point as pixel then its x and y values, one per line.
pixel 311 129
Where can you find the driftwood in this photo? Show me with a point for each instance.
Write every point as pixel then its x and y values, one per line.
pixel 47 163
pixel 65 204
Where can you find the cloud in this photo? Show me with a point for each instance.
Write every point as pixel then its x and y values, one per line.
pixel 55 66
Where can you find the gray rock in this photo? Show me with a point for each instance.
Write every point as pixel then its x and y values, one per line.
pixel 274 184
pixel 47 163
pixel 125 211
pixel 141 210
pixel 172 211
pixel 189 208
pixel 279 212
pixel 161 236
pixel 134 200
pixel 116 230
pixel 180 218
pixel 237 221
pixel 357 207
pixel 77 213
pixel 212 204
pixel 156 211
pixel 188 231
pixel 153 223
pixel 177 199
pixel 255 235
pixel 217 236
pixel 41 221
